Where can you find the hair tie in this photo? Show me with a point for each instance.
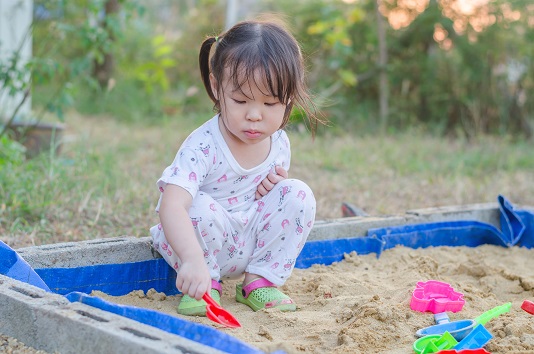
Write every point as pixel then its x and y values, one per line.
pixel 217 39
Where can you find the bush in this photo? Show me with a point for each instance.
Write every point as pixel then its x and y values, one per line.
pixel 11 153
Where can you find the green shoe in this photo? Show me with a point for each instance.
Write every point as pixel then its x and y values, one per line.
pixel 189 306
pixel 261 293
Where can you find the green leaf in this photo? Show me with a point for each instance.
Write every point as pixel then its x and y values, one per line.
pixel 348 77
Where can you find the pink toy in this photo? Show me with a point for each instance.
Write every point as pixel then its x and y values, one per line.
pixel 436 296
pixel 464 351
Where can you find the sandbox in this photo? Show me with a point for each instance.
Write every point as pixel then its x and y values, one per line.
pixel 353 288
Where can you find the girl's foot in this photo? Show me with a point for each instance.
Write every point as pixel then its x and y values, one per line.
pixel 191 307
pixel 261 293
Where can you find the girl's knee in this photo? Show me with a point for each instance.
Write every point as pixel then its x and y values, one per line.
pixel 162 246
pixel 295 191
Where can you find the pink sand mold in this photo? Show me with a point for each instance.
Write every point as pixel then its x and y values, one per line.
pixel 436 296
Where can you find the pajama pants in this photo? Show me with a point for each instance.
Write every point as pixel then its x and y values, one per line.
pixel 264 240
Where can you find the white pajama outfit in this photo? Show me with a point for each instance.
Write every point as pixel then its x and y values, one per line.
pixel 236 232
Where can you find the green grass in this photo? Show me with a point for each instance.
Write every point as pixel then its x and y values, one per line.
pixel 409 153
pixel 102 184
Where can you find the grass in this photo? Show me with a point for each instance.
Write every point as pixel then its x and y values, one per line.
pixel 102 184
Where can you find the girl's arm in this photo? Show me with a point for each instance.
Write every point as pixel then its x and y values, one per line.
pixel 268 182
pixel 193 276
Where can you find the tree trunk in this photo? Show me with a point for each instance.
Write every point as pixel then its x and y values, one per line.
pixel 103 71
pixel 382 66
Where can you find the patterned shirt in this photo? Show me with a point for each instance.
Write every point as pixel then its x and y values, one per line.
pixel 204 163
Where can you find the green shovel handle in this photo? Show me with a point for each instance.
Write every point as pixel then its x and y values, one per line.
pixel 494 312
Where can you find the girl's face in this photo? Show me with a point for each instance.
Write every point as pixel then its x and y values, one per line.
pixel 249 113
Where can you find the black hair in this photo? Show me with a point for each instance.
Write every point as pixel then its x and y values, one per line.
pixel 259 45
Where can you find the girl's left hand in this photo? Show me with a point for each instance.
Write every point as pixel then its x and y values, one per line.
pixel 268 182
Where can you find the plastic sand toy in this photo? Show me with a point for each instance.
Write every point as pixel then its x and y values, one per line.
pixel 477 338
pixel 218 314
pixel 421 343
pixel 434 343
pixel 465 351
pixel 460 329
pixel 436 296
pixel 528 306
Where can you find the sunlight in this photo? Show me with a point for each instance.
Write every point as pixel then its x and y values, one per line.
pixel 441 36
pixel 404 13
pixel 458 10
pixel 468 7
pixel 474 14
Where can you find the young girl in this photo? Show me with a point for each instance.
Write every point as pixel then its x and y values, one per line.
pixel 227 208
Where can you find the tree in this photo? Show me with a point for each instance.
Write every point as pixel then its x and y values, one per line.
pixel 103 67
pixel 383 92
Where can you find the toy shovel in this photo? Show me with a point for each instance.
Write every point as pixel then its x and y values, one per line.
pixel 219 315
pixel 460 329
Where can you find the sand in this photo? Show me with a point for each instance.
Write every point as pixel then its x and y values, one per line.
pixel 10 345
pixel 361 304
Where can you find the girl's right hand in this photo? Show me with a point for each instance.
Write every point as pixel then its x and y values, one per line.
pixel 193 279
pixel 270 181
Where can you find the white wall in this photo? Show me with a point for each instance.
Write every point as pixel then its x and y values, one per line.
pixel 15 20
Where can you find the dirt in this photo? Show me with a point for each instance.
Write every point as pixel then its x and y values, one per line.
pixel 11 345
pixel 362 304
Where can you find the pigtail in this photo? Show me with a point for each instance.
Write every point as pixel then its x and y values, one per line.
pixel 204 64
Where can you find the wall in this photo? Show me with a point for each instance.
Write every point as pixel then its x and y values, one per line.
pixel 15 21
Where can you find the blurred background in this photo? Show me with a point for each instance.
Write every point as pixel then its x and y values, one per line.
pixel 430 102
pixel 459 67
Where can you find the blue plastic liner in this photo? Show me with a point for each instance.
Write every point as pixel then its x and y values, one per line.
pixel 517 229
pixel 330 251
pixel 194 331
pixel 456 233
pixel 13 266
pixel 113 279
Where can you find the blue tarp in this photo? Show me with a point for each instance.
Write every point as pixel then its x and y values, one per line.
pixel 203 334
pixel 13 266
pixel 517 229
pixel 113 279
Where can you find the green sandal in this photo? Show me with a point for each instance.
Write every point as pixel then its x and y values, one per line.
pixel 261 293
pixel 191 307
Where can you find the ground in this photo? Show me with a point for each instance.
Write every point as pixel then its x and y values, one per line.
pixel 10 345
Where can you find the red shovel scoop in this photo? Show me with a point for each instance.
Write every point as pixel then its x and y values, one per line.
pixel 528 306
pixel 219 315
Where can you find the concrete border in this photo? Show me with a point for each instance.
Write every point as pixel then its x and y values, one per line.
pixel 131 249
pixel 358 226
pixel 49 322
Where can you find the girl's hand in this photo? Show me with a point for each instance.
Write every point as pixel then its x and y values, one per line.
pixel 193 279
pixel 268 182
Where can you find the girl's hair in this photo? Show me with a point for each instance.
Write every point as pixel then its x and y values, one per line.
pixel 263 46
